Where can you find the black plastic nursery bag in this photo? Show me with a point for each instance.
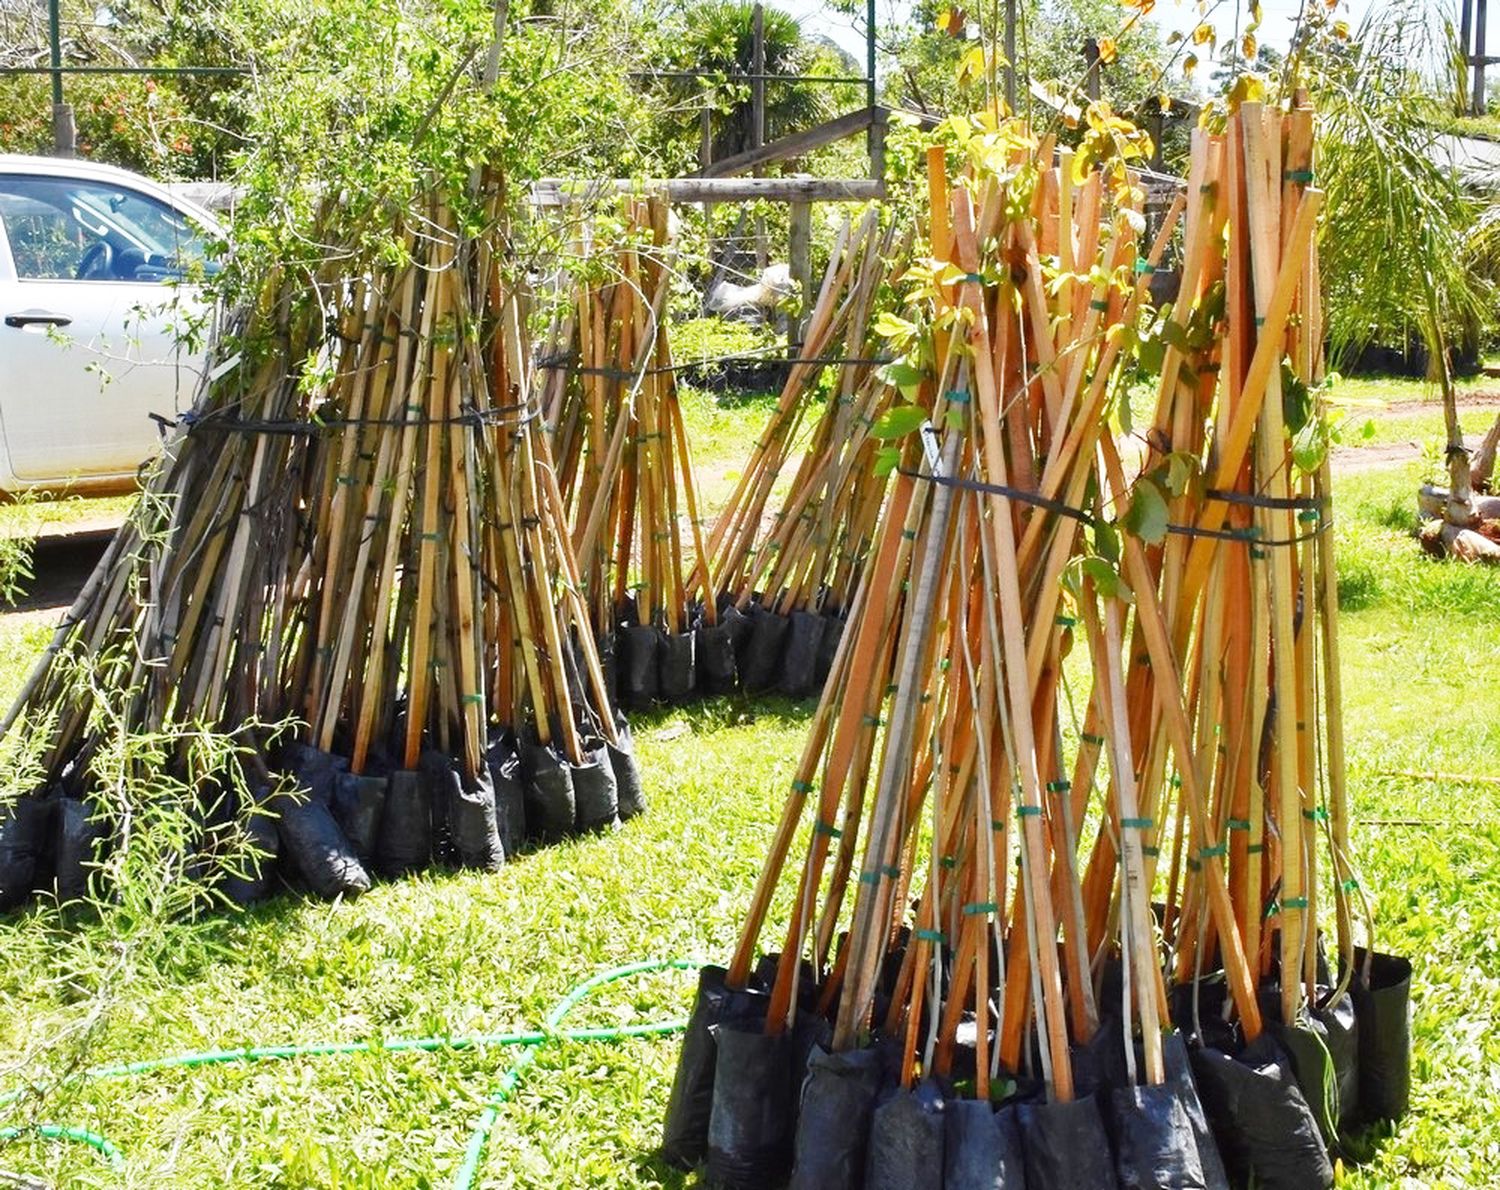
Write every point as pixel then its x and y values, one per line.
pixel 1383 1010
pixel 1155 1145
pixel 676 667
pixel 309 834
pixel 833 1124
pixel 639 659
pixel 762 650
pixel 799 661
pixel 750 1127
pixel 1066 1146
pixel 80 833
pixel 510 802
pixel 358 804
pixel 907 1138
pixel 404 842
pixel 685 1137
pixel 714 656
pixel 629 791
pixel 1263 1124
pixel 595 793
pixel 1180 1075
pixel 983 1148
pixel 25 834
pixel 550 807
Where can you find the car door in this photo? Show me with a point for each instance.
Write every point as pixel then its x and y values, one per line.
pixel 91 306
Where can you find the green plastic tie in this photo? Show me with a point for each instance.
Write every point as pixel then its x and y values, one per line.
pixel 1239 824
pixel 1143 267
pixel 977 278
pixel 1028 811
pixel 997 824
pixel 346 480
pixel 909 534
pixel 1064 621
pixel 957 396
pixel 473 700
pixel 870 878
pixel 1059 786
pixel 1350 885
pixel 1316 814
pixel 929 936
pixel 1217 851
pixel 1090 738
pixel 1309 516
pixel 1153 852
pixel 872 721
pixel 1255 848
pixel 827 829
pixel 801 786
pixel 1137 824
pixel 948 861
pixel 430 536
pixel 1305 176
pixel 977 908
pixel 891 870
pixel 1294 903
pixel 1101 306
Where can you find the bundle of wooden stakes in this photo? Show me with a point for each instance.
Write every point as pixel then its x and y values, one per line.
pixel 1158 1010
pixel 626 473
pixel 356 530
pixel 785 578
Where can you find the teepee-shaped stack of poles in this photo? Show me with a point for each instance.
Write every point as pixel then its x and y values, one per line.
pixel 792 572
pixel 1017 554
pixel 357 529
pixel 625 466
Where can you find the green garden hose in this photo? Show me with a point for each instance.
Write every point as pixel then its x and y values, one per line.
pixel 474 1150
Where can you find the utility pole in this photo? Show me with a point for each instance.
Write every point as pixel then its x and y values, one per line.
pixel 1479 60
pixel 64 134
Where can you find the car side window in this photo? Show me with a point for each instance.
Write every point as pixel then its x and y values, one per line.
pixel 66 229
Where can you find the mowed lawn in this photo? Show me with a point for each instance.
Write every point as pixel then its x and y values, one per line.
pixel 463 954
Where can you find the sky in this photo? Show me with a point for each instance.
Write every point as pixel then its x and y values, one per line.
pixel 1279 17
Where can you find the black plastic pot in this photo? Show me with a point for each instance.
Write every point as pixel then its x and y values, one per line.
pixel 799 658
pixel 1066 1145
pixel 639 651
pixel 404 842
pixel 358 804
pixel 828 647
pixel 762 649
pixel 907 1139
pixel 1263 1125
pixel 510 801
pixel 253 882
pixel 714 645
pixel 467 810
pixel 310 837
pixel 735 622
pixel 1323 1048
pixel 1383 1010
pixel 982 1149
pixel 596 799
pixel 837 1102
pixel 25 834
pixel 685 1136
pixel 676 667
pixel 1180 1075
pixel 1155 1148
pixel 550 808
pixel 79 836
pixel 750 1129
pixel 629 791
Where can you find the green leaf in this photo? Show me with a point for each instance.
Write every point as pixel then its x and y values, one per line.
pixel 1105 577
pixel 1106 541
pixel 888 326
pixel 905 377
pixel 887 459
pixel 898 421
pixel 1146 517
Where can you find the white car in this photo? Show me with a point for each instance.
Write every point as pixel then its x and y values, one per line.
pixel 96 293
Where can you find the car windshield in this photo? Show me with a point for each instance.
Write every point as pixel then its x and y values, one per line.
pixel 71 229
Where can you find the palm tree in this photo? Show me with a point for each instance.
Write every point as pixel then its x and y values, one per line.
pixel 716 39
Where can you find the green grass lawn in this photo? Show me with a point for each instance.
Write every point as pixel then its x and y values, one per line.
pixel 463 954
